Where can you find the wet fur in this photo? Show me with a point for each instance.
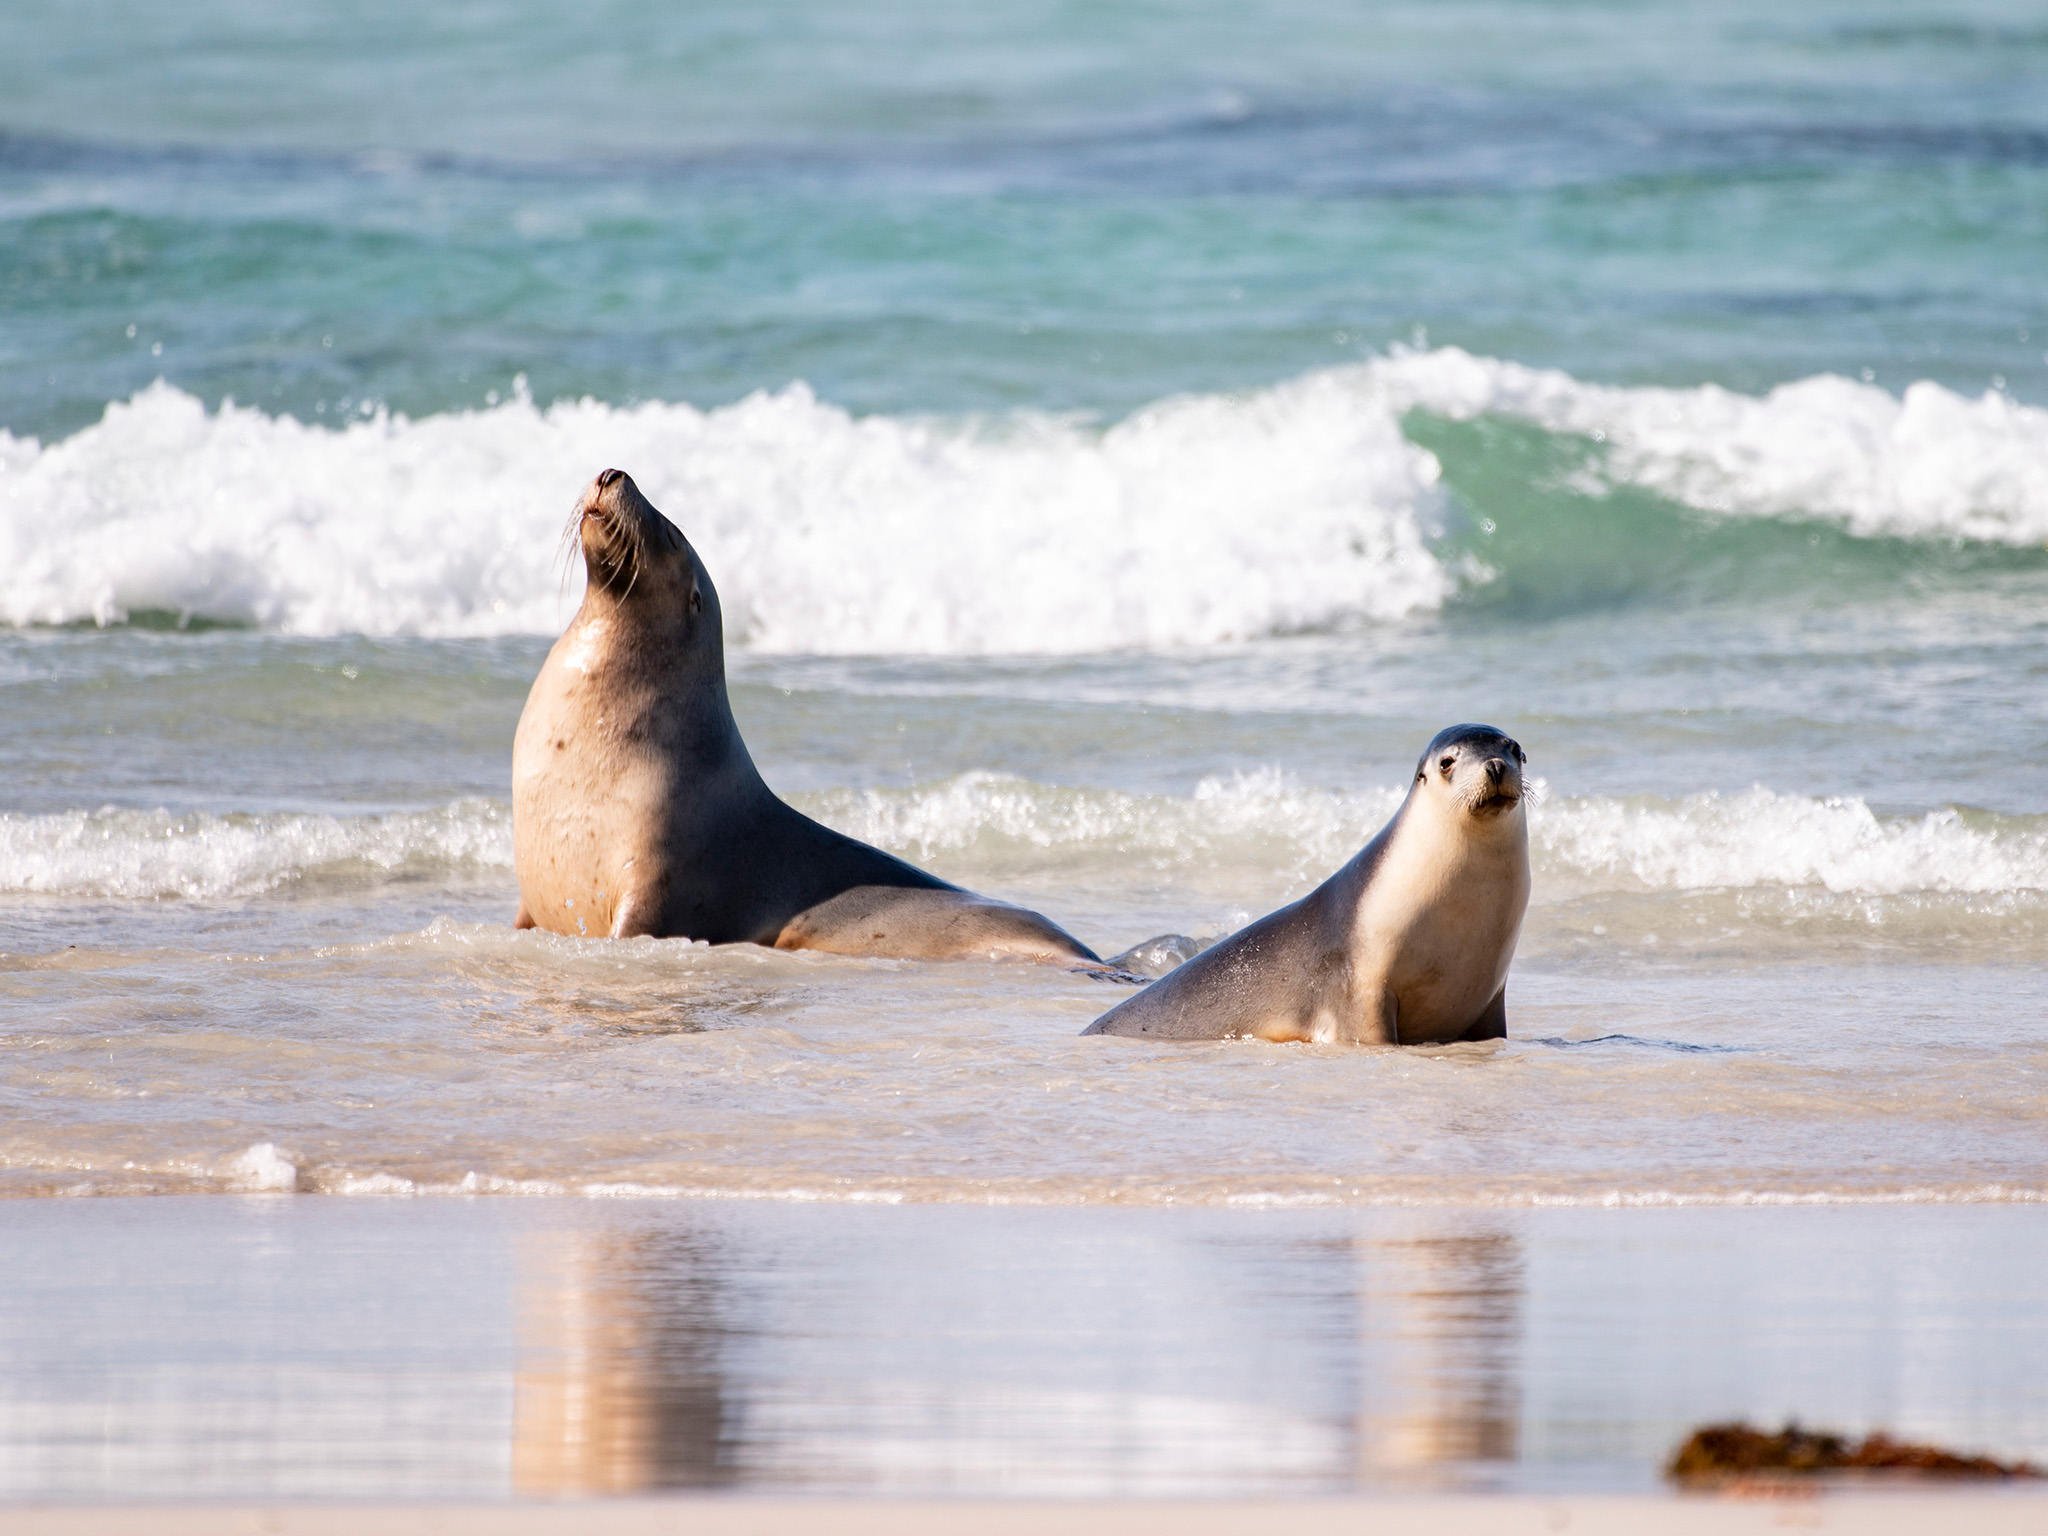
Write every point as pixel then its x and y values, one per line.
pixel 638 810
pixel 1408 943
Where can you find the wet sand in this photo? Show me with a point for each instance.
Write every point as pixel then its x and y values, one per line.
pixel 1897 1514
pixel 449 1353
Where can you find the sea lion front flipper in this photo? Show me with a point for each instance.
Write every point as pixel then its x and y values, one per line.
pixel 1492 1023
pixel 1387 1019
pixel 524 919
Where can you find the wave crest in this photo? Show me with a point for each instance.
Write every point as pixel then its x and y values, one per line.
pixel 1246 825
pixel 1928 464
pixel 1195 521
pixel 1715 841
pixel 144 855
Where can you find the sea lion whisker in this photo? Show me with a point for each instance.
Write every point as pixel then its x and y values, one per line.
pixel 563 546
pixel 636 552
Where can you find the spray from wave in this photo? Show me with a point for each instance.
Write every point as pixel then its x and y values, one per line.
pixel 1195 521
pixel 1240 826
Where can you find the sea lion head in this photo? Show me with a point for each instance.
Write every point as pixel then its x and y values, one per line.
pixel 1475 769
pixel 639 562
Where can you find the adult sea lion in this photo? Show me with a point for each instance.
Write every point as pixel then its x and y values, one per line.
pixel 1408 943
pixel 637 810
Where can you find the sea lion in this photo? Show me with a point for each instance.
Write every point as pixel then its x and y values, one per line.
pixel 636 808
pixel 1409 943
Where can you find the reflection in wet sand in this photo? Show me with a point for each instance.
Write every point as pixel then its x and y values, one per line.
pixel 1440 1346
pixel 311 1347
pixel 618 1388
pixel 630 1382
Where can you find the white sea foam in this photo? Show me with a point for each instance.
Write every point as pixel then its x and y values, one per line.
pixel 1264 815
pixel 1196 520
pixel 1264 821
pixel 1931 464
pixel 262 1169
pixel 1763 838
pixel 149 854
pixel 1709 841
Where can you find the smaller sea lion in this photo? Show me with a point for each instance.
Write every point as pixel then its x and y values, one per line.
pixel 1408 943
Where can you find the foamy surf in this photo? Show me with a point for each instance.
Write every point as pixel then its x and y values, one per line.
pixel 1928 464
pixel 147 855
pixel 1195 521
pixel 266 1169
pixel 1265 823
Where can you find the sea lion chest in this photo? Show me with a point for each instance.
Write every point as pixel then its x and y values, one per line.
pixel 1436 923
pixel 596 764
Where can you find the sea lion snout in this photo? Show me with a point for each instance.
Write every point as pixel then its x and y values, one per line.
pixel 1503 784
pixel 624 537
pixel 610 493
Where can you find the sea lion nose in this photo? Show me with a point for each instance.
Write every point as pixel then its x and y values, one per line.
pixel 610 478
pixel 1496 769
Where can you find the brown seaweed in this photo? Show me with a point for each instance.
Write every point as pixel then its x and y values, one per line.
pixel 1719 1452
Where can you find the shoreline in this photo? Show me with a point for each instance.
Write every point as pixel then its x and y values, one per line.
pixel 1984 1513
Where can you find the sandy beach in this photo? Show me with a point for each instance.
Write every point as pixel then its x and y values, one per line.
pixel 293 1349
pixel 1847 1514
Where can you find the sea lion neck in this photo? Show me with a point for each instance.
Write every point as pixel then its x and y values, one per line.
pixel 663 679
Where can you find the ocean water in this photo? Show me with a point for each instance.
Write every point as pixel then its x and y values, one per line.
pixel 1122 436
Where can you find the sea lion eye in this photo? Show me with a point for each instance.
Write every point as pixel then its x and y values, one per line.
pixel 1446 765
pixel 696 600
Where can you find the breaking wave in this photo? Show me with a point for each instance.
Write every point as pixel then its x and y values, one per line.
pixel 1929 464
pixel 147 855
pixel 1195 521
pixel 1263 821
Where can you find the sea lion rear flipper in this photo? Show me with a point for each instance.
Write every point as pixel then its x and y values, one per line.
pixel 913 922
pixel 1492 1023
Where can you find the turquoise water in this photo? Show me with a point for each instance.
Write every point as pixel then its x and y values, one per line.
pixel 1055 206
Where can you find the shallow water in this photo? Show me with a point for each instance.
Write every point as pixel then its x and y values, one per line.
pixel 1723 993
pixel 276 1348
